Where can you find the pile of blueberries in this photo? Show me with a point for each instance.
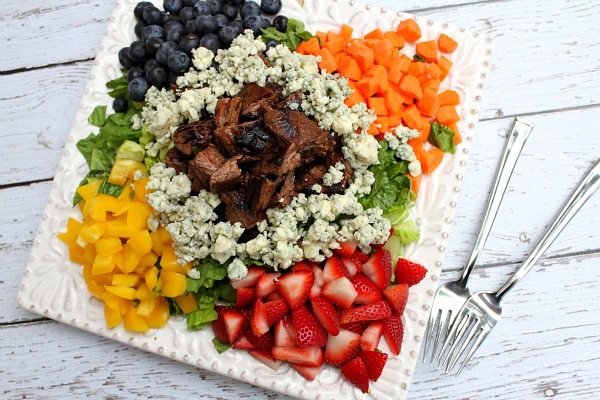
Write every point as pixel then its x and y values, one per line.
pixel 166 38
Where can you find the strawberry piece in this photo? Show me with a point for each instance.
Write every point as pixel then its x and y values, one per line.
pixel 374 363
pixel 245 296
pixel 369 312
pixel 340 292
pixel 273 296
pixel 250 279
pixel 259 321
pixel 266 358
pixel 397 295
pixel 356 327
pixel 309 373
pixel 379 268
pixel 334 269
pixel 347 248
pixel 220 331
pixel 276 310
pixel 356 372
pixel 308 330
pixel 342 348
pixel 326 314
pixel 235 322
pixel 319 281
pixel 266 284
pixel 302 265
pixel 371 336
pixel 308 356
pixel 243 344
pixel 285 336
pixel 409 272
pixel 350 267
pixel 393 330
pixel 264 342
pixel 295 287
pixel 367 291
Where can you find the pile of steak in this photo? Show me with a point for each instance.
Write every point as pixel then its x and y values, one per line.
pixel 256 153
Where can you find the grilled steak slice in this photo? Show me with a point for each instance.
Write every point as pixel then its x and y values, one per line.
pixel 286 192
pixel 178 160
pixel 253 138
pixel 255 97
pixel 278 123
pixel 293 101
pixel 310 139
pixel 227 176
pixel 225 139
pixel 238 210
pixel 193 137
pixel 266 190
pixel 228 111
pixel 307 178
pixel 204 165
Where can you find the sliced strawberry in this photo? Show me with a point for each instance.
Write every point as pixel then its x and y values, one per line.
pixel 347 248
pixel 235 322
pixel 309 373
pixel 309 356
pixel 340 292
pixel 326 314
pixel 409 272
pixel 342 348
pixel 220 331
pixel 356 372
pixel 243 344
pixel 265 342
pixel 334 269
pixel 369 312
pixel 266 358
pixel 302 265
pixel 250 279
pixel 379 268
pixel 245 296
pixel 393 330
pixel 295 287
pixel 350 267
pixel 367 291
pixel 374 362
pixel 371 336
pixel 276 310
pixel 266 284
pixel 319 281
pixel 397 295
pixel 273 296
pixel 259 321
pixel 308 330
pixel 356 327
pixel 285 335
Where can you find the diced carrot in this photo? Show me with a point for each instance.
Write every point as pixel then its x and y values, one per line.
pixel 368 86
pixel 351 70
pixel 434 71
pixel 327 61
pixel 373 130
pixel 375 34
pixel 412 117
pixel 383 124
pixel 340 59
pixel 377 104
pixel 333 36
pixel 446 43
pixel 310 46
pixel 425 128
pixel 395 76
pixel 370 43
pixel 396 39
pixel 383 52
pixel 364 58
pixel 354 98
pixel 445 65
pixel 322 36
pixel 346 31
pixel 449 98
pixel 352 84
pixel 447 115
pixel 457 137
pixel 427 50
pixel 409 30
pixel 336 45
pixel 394 101
pixel 410 86
pixel 381 74
pixel 431 159
pixel 395 119
pixel 415 183
pixel 429 103
pixel 433 84
pixel 417 68
pixel 403 63
pixel 422 79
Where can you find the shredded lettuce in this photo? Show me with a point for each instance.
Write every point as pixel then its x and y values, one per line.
pixel 442 137
pixel 220 346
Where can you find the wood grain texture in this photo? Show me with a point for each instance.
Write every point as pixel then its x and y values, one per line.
pixel 541 344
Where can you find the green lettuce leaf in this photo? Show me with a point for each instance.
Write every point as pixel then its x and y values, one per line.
pixel 295 34
pixel 109 188
pixel 227 293
pixel 407 231
pixel 98 116
pixel 220 346
pixel 101 160
pixel 210 271
pixel 442 137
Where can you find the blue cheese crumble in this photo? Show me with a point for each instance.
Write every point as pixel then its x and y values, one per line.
pixel 398 142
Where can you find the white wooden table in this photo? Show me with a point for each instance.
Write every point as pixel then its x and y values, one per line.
pixel 546 66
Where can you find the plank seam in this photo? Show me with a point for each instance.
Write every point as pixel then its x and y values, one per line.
pixel 25 183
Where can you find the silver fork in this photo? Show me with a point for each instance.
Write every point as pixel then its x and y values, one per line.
pixel 451 296
pixel 482 311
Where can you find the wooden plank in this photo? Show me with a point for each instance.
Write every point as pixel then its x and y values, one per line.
pixel 548 340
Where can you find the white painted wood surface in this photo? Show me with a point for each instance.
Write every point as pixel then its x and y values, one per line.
pixel 546 65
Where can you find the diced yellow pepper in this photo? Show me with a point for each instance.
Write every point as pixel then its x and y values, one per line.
pixel 89 253
pixel 160 315
pixel 108 246
pixel 143 293
pixel 95 289
pixel 157 245
pixel 140 189
pixel 123 292
pixel 122 169
pixel 90 189
pixel 133 322
pixel 173 283
pixel 187 303
pixel 120 261
pixel 146 307
pixel 169 261
pixel 69 237
pixel 137 215
pixel 151 277
pixel 112 316
pixel 91 231
pixel 149 260
pixel 141 167
pixel 141 243
pixel 76 254
pixel 111 301
pixel 127 192
pixel 165 237
pixel 118 228
pixel 125 280
pixel 98 206
pixel 103 264
pixel 130 259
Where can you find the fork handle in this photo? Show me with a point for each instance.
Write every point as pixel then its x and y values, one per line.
pixel 584 191
pixel 516 140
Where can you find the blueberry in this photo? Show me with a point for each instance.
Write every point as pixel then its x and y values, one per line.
pixel 153 45
pixel 172 78
pixel 186 14
pixel 201 8
pixel 153 16
pixel 264 23
pixel 253 22
pixel 206 24
pixel 227 34
pixel 272 43
pixel 189 42
pixel 139 28
pixel 280 23
pixel 237 2
pixel 152 31
pixel 230 12
pixel 221 20
pixel 150 64
pixel 175 32
pixel 178 61
pixel 137 51
pixel 138 11
pixel 157 76
pixel 238 26
pixel 216 6
pixel 162 55
pixel 125 59
pixel 189 3
pixel 134 72
pixel 173 6
pixel 137 89
pixel 170 19
pixel 211 41
pixel 248 9
pixel 190 26
pixel 120 105
pixel 270 7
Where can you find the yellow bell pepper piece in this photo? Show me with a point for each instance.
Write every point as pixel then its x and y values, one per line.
pixel 137 215
pixel 111 301
pixel 127 192
pixel 90 189
pixel 165 237
pixel 108 246
pixel 146 307
pixel 76 254
pixel 103 264
pixel 91 231
pixel 122 169
pixel 151 277
pixel 130 259
pixel 141 243
pixel 173 283
pixel 160 315
pixel 148 260
pixel 98 206
pixel 69 237
pixel 125 280
pixel 121 291
pixel 169 261
pixel 118 228
pixel 112 316
pixel 187 303
pixel 139 187
pixel 157 244
pixel 143 293
pixel 133 322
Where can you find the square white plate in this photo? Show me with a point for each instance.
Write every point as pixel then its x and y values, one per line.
pixel 54 287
